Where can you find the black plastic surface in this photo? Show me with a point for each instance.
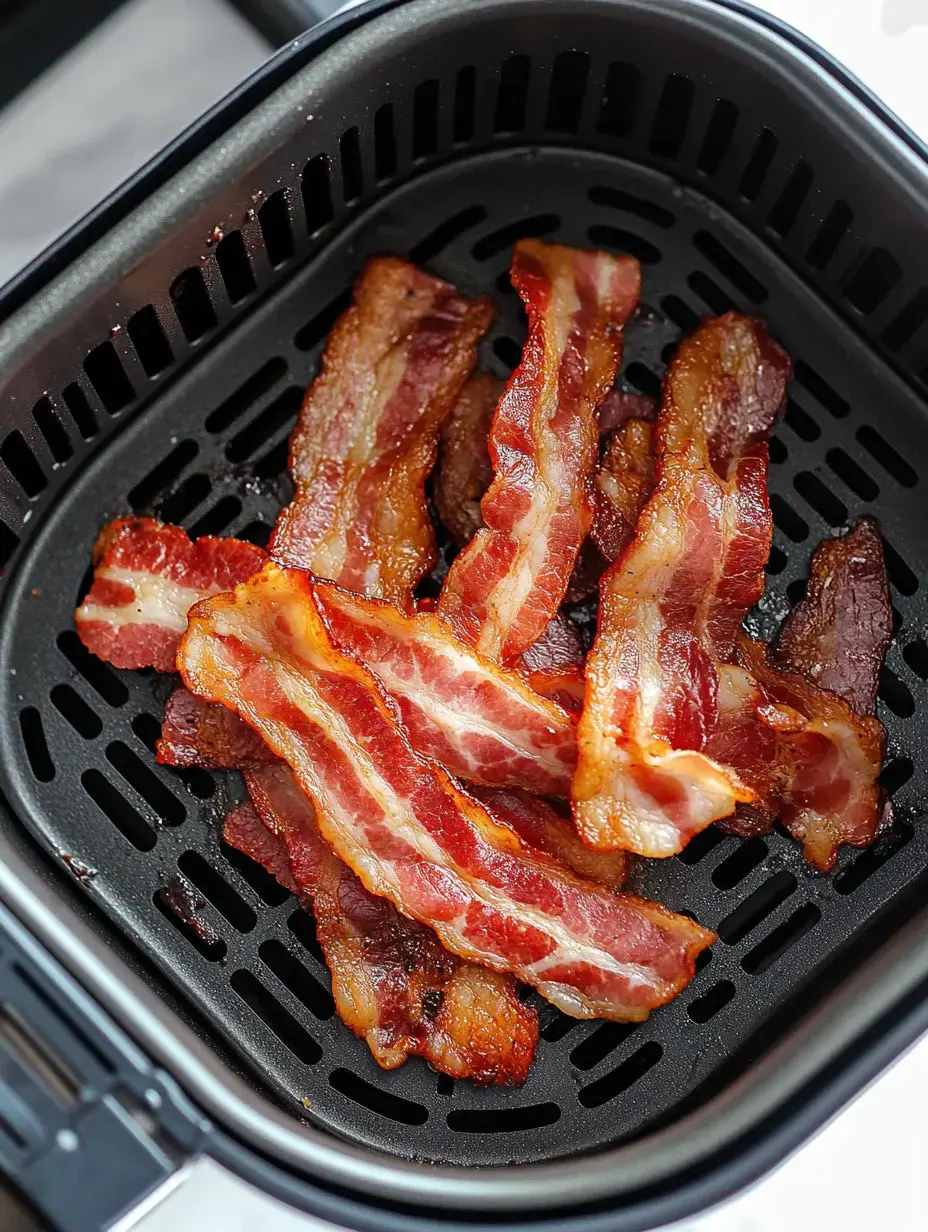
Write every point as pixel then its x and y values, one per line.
pixel 780 223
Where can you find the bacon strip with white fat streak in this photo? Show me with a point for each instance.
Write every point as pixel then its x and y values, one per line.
pixel 408 831
pixel 367 435
pixel 509 581
pixel 672 604
pixel 393 982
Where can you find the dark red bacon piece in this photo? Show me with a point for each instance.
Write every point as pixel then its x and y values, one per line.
pixel 672 603
pixel 464 469
pixel 146 578
pixel 393 982
pixel 619 406
pixel 553 665
pixel 480 722
pixel 367 435
pixel 509 581
pixel 195 733
pixel 408 831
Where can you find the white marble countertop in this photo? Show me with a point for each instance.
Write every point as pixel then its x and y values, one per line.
pixel 137 82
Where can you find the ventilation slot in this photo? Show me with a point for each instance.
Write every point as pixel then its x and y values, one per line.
pixel 895 693
pixel 672 116
pixel 503 1120
pixel 102 679
pixel 192 492
pixel 107 375
pixel 783 938
pixel 866 864
pixel 274 221
pixel 916 656
pixel 273 1015
pixel 852 474
pixel 512 98
pixel 318 329
pixel 680 313
pixel 787 520
pixel 227 902
pixel 718 138
pixel 891 461
pixel 699 847
pixel 246 395
pixel 559 1027
pixel 777 561
pixel 384 143
pixel 317 194
pixel 729 265
pixel 778 451
pixel 446 233
pixel 84 419
pixel 268 888
pixel 282 411
pixel 150 342
pixel 465 98
pixel 896 774
pixel 912 317
pixel 900 575
pixel 602 236
pixel 425 119
pixel 568 90
pixel 711 1001
pixel 217 519
pixel 349 149
pixel 384 1103
pixel 801 422
pixel 597 1046
pixel 622 1077
pixel 72 707
pixel 235 267
pixel 192 304
pixel 303 926
pixel 22 465
pixel 643 379
pixel 628 203
pixel 830 235
pixel 787 206
pixel 741 862
pixel 35 744
pixel 508 352
pixel 873 281
pixel 163 803
pixel 503 239
pixel 756 907
pixel 822 499
pixel 755 173
pixel 710 292
pixel 52 429
pixel 162 476
pixel 180 908
pixel 295 977
pixel 117 808
pixel 258 533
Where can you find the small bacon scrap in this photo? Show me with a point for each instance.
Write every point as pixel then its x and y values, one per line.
pixel 393 983
pixel 146 578
pixel 479 721
pixel 408 831
pixel 464 469
pixel 671 605
pixel 538 824
pixel 194 733
pixel 509 581
pixel 367 435
pixel 553 665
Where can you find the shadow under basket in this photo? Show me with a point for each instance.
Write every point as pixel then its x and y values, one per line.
pixel 162 373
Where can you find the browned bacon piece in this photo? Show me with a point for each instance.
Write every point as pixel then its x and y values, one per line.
pixel 146 578
pixel 672 603
pixel 408 831
pixel 553 665
pixel 619 406
pixel 367 435
pixel 195 733
pixel 393 982
pixel 509 581
pixel 464 469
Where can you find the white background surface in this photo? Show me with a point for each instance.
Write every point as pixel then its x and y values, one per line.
pixel 100 114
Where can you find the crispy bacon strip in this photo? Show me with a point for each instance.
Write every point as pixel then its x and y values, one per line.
pixel 146 578
pixel 509 581
pixel 479 721
pixel 538 824
pixel 393 982
pixel 366 438
pixel 408 831
pixel 194 733
pixel 672 603
pixel 464 469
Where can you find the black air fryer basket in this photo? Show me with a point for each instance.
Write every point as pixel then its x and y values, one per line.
pixel 155 362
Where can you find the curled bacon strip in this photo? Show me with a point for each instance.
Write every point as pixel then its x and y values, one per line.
pixel 672 603
pixel 479 721
pixel 393 982
pixel 464 469
pixel 367 434
pixel 195 733
pixel 510 580
pixel 408 831
pixel 146 578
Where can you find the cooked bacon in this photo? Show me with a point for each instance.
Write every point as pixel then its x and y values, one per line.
pixel 464 469
pixel 837 635
pixel 393 982
pixel 479 721
pixel 619 406
pixel 509 581
pixel 408 831
pixel 553 665
pixel 367 435
pixel 195 733
pixel 146 578
pixel 672 603
pixel 540 825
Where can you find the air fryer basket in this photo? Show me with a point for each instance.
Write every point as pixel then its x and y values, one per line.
pixel 163 373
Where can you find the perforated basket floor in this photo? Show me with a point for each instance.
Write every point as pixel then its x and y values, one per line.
pixel 209 452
